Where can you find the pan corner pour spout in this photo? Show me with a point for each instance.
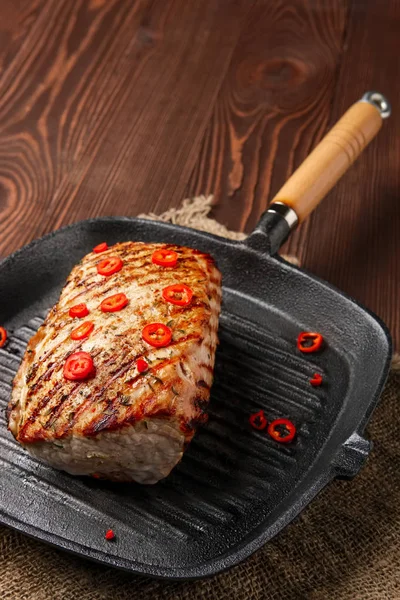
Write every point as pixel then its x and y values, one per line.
pixel 321 170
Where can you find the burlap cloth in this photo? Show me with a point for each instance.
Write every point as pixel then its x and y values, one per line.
pixel 345 545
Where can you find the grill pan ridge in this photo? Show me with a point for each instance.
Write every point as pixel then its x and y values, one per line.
pixel 235 488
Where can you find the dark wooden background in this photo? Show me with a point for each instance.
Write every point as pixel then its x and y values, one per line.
pixel 111 107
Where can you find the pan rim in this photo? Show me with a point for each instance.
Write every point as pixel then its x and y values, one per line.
pixel 209 568
pixel 110 220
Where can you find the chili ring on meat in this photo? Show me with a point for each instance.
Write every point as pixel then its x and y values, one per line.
pixel 120 396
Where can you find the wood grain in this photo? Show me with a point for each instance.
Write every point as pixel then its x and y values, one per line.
pixel 354 236
pixel 274 105
pixel 103 107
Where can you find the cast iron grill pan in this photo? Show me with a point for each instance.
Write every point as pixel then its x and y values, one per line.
pixel 235 488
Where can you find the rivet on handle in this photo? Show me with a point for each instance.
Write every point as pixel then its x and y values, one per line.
pixel 378 100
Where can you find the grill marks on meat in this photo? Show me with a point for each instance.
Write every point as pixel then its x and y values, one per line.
pixel 46 407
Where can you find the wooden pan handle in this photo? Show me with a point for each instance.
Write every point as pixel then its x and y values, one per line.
pixel 334 154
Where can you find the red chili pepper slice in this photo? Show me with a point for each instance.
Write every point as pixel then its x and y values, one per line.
pixel 109 266
pixel 309 341
pixel 3 336
pixel 100 248
pixel 316 380
pixel 282 430
pixel 258 420
pixel 179 294
pixel 78 366
pixel 114 303
pixel 110 535
pixel 157 334
pixel 83 331
pixel 165 258
pixel 142 365
pixel 79 311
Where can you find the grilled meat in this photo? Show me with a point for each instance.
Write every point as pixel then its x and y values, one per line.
pixel 132 414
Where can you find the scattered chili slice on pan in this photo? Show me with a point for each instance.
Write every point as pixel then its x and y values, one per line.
pixel 316 380
pixel 109 266
pixel 78 366
pixel 258 420
pixel 83 331
pixel 114 303
pixel 179 294
pixel 165 258
pixel 309 341
pixel 100 248
pixel 3 336
pixel 79 311
pixel 110 535
pixel 157 335
pixel 282 430
pixel 142 365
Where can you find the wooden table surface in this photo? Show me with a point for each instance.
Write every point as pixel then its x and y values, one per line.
pixel 115 107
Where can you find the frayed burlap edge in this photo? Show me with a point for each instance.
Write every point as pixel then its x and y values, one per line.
pixel 194 213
